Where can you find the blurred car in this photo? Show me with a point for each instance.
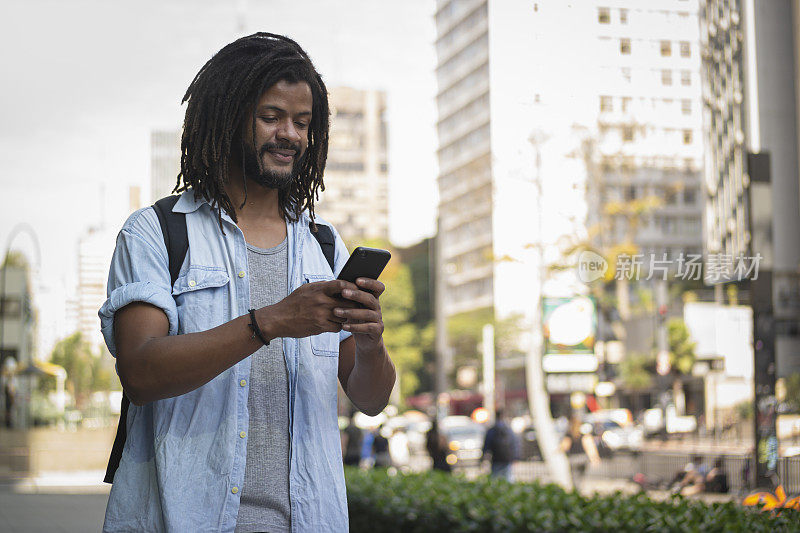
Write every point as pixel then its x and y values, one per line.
pixel 655 422
pixel 615 430
pixel 464 440
pixel 620 438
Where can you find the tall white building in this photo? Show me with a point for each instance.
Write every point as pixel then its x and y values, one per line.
pixel 356 198
pixel 95 249
pixel 165 162
pixel 649 125
pixel 540 103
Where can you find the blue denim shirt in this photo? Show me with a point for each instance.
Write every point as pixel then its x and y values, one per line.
pixel 183 464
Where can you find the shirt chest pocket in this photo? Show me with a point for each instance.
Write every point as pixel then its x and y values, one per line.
pixel 202 296
pixel 324 344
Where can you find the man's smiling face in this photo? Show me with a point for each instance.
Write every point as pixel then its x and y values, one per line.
pixel 282 118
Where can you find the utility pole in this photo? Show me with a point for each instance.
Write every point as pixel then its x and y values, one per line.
pixel 538 401
pixel 488 369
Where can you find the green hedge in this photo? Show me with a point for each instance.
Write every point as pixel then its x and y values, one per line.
pixel 441 503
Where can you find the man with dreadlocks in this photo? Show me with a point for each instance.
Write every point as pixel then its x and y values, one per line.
pixel 232 370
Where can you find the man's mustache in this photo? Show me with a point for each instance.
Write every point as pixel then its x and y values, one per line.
pixel 280 146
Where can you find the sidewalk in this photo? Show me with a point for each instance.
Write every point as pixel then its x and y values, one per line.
pixel 77 482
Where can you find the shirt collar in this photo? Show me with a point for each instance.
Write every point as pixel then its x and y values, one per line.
pixel 187 203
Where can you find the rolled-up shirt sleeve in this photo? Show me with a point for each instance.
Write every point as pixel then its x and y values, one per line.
pixel 139 272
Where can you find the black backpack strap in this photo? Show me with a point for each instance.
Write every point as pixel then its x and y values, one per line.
pixel 176 239
pixel 327 242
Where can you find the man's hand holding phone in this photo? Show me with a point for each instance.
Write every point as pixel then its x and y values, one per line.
pixel 366 323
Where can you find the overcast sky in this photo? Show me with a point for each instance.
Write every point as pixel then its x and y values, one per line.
pixel 85 81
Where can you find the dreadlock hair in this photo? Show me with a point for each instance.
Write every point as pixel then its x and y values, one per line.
pixel 224 95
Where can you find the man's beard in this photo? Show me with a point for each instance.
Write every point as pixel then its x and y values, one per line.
pixel 273 179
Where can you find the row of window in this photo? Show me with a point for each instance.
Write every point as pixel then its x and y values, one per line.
pixel 476 108
pixel 604 15
pixel 464 85
pixel 463 27
pixel 662 165
pixel 465 144
pixel 465 56
pixel 665 48
pixel 671 195
pixel 667 225
pixel 666 76
pixel 628 132
pixel 626 104
pixel 10 307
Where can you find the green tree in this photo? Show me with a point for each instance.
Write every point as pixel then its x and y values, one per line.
pixel 404 340
pixel 636 371
pixel 83 366
pixel 793 390
pixel 681 347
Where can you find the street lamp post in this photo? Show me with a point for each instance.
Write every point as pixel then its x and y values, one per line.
pixel 16 230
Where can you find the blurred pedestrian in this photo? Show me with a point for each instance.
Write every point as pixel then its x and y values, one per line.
pixel 398 449
pixel 502 445
pixel 10 393
pixel 580 447
pixel 354 438
pixel 717 479
pixel 692 479
pixel 380 448
pixel 436 445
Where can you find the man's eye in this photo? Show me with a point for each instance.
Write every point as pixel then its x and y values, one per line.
pixel 268 119
pixel 301 125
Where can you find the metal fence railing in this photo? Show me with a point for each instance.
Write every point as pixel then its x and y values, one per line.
pixel 662 467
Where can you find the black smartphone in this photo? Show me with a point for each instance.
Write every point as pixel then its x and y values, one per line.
pixel 364 263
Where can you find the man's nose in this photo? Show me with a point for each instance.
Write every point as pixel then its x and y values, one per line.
pixel 288 132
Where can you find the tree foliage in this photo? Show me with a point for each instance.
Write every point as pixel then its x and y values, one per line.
pixel 405 340
pixel 681 347
pixel 793 390
pixel 85 370
pixel 636 371
pixel 465 333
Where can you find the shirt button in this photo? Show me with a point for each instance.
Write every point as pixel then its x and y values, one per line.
pixel 241 273
pixel 242 434
pixel 243 383
pixel 235 490
pixel 192 283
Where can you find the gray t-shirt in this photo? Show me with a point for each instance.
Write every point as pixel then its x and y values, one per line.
pixel 265 495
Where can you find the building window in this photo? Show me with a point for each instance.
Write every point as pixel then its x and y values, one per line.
pixel 666 49
pixel 606 103
pixel 689 196
pixel 630 193
pixel 666 77
pixel 686 78
pixel 626 103
pixel 627 133
pixel 687 136
pixel 11 307
pixel 686 107
pixel 623 16
pixel 603 15
pixel 686 49
pixel 625 47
